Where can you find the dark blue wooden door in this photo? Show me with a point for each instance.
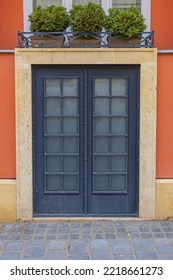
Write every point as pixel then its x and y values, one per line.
pixel 85 140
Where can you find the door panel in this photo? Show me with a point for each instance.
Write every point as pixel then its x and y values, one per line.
pixel 58 141
pixel 85 137
pixel 112 178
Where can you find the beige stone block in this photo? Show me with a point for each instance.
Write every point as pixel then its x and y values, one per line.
pixel 147 141
pixel 7 200
pixel 164 199
pixel 85 56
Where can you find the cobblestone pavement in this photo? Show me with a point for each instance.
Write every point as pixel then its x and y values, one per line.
pixel 105 240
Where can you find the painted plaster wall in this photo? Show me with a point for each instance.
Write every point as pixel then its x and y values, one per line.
pixel 165 116
pixel 11 20
pixel 162 23
pixel 7 117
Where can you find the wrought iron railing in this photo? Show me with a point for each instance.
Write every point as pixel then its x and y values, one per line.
pixel 83 40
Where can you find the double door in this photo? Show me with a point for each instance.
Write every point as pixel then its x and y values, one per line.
pixel 85 140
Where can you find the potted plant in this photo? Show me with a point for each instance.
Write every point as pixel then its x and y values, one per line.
pixel 124 26
pixel 51 19
pixel 85 21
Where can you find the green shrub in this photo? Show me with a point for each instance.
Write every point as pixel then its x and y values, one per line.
pixel 50 19
pixel 87 18
pixel 127 23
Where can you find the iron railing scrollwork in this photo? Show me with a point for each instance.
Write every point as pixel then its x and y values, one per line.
pixel 83 40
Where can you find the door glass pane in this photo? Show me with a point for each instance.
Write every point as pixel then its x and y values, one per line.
pixel 70 164
pixel 58 112
pixel 70 125
pixel 53 164
pixel 46 3
pixel 101 106
pixel 125 4
pixel 101 145
pixel 70 87
pixel 70 183
pixel 119 125
pixel 119 106
pixel 101 125
pixel 70 144
pixel 85 2
pixel 113 102
pixel 70 106
pixel 118 163
pixel 101 164
pixel 53 87
pixel 119 87
pixel 53 106
pixel 53 144
pixel 101 183
pixel 53 183
pixel 118 182
pixel 118 144
pixel 101 87
pixel 53 126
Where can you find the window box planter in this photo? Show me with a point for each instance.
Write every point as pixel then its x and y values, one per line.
pixel 116 41
pixel 79 40
pixel 47 40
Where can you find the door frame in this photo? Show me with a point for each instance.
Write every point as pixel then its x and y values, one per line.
pixel 146 58
pixel 85 197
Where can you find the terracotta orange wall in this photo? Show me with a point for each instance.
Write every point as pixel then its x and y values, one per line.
pixel 162 23
pixel 11 19
pixel 7 117
pixel 165 116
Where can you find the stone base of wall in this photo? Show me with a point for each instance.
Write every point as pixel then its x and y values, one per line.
pixel 164 199
pixel 8 200
pixel 163 190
